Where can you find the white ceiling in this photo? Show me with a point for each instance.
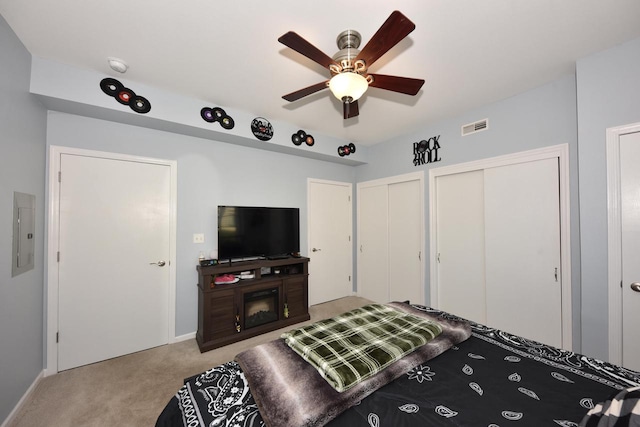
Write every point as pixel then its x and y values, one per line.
pixel 470 52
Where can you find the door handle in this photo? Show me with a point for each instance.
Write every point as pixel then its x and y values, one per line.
pixel 635 286
pixel 315 250
pixel 159 263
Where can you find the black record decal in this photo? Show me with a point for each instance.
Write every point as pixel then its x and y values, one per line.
pixel 301 136
pixel 309 140
pixel 262 129
pixel 110 86
pixel 125 95
pixel 227 122
pixel 218 113
pixel 140 104
pixel 207 115
pixel 345 150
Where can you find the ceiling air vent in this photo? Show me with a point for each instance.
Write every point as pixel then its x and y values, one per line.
pixel 474 127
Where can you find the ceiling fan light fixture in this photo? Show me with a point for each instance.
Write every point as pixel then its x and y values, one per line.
pixel 348 85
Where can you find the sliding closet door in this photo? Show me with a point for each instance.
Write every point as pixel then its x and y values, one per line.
pixel 460 254
pixel 373 248
pixel 498 247
pixel 522 228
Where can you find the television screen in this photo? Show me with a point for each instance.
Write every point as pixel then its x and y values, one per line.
pixel 248 232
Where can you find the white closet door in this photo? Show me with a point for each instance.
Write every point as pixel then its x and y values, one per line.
pixel 460 246
pixel 405 232
pixel 522 225
pixel 630 222
pixel 373 250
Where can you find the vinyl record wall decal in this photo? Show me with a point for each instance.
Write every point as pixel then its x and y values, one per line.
pixel 125 96
pixel 262 129
pixel 217 114
pixel 301 136
pixel 345 150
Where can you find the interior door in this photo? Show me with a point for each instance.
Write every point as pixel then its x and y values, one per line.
pixel 114 236
pixel 522 250
pixel 330 247
pixel 460 241
pixel 630 239
pixel 406 227
pixel 373 243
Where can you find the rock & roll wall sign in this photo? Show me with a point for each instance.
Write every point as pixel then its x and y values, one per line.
pixel 426 151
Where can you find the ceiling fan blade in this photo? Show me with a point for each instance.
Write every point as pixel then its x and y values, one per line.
pixel 300 45
pixel 405 85
pixel 395 28
pixel 294 96
pixel 350 109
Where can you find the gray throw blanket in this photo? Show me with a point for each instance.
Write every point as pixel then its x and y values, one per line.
pixel 290 392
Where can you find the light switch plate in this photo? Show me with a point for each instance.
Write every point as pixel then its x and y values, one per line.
pixel 198 238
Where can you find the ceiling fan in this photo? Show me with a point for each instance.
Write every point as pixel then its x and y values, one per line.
pixel 349 66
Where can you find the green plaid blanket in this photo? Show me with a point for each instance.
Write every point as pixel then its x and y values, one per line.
pixel 356 345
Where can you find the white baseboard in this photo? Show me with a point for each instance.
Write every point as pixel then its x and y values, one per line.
pixel 24 398
pixel 184 337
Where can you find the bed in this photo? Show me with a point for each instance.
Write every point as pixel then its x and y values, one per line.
pixel 469 375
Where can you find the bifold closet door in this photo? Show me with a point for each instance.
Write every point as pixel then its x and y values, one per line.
pixel 522 250
pixel 390 236
pixel 460 233
pixel 405 243
pixel 373 239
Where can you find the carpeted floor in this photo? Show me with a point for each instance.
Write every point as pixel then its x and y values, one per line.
pixel 132 390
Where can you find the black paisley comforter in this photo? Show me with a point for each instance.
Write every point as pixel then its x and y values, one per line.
pixel 491 379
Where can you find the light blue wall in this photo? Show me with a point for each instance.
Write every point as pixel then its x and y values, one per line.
pixel 22 163
pixel 608 96
pixel 541 117
pixel 607 90
pixel 210 173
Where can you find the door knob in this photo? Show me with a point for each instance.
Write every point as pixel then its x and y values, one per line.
pixel 635 286
pixel 315 250
pixel 159 263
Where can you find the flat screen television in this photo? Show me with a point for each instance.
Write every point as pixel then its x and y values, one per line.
pixel 257 232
